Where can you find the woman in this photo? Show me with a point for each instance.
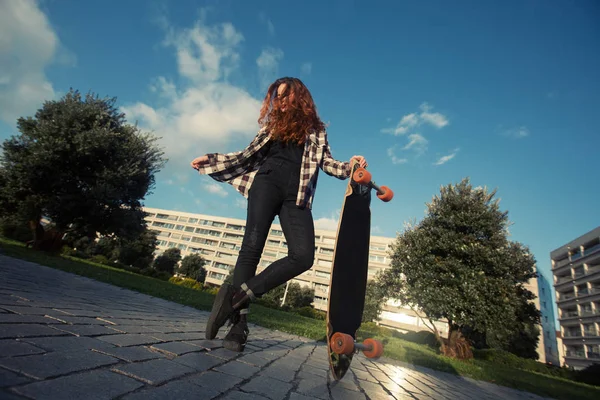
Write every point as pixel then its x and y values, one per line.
pixel 277 173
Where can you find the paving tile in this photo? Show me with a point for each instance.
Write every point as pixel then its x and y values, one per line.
pixel 86 330
pixel 237 395
pixel 131 354
pixel 173 349
pixel 42 366
pixel 67 343
pixel 93 385
pixel 27 330
pixel 198 361
pixel 180 390
pixel 10 378
pixel 215 380
pixel 153 372
pixel 124 340
pixel 16 347
pixel 272 388
pixel 238 369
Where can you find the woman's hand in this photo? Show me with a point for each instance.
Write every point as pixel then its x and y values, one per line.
pixel 197 162
pixel 362 162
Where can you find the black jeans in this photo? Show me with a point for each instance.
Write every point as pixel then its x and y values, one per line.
pixel 273 192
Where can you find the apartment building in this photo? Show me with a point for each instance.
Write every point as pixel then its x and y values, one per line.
pixel 548 326
pixel 218 240
pixel 576 271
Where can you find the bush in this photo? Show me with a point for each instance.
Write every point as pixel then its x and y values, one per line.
pixel 11 229
pixel 186 282
pixel 422 337
pixel 100 259
pixel 589 375
pixel 153 273
pixel 212 290
pixel 310 312
pixel 68 251
pixel 502 357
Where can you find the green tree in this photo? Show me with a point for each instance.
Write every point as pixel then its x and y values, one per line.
pixel 139 251
pixel 458 264
pixel 299 296
pixel 192 266
pixel 374 300
pixel 168 260
pixel 79 163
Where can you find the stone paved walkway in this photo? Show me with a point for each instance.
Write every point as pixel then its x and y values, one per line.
pixel 63 336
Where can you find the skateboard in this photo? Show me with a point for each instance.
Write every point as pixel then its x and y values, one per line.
pixel 348 282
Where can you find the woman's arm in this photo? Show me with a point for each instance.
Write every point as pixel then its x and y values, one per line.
pixel 335 168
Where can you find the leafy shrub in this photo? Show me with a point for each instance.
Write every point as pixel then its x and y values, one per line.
pixel 589 375
pixel 12 229
pixel 68 251
pixel 310 312
pixel 100 259
pixel 422 337
pixel 186 282
pixel 502 357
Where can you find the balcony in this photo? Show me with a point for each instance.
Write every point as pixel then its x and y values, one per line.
pixel 563 279
pixel 593 269
pixel 570 314
pixel 571 335
pixel 561 263
pixel 590 333
pixel 593 355
pixel 591 250
pixel 566 296
pixel 583 292
pixel 578 354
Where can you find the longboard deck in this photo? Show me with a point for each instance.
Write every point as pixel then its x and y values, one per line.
pixel 349 271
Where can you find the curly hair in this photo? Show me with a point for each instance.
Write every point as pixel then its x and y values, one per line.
pixel 299 118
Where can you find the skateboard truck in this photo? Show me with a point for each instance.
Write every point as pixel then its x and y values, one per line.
pixel 363 177
pixel 342 343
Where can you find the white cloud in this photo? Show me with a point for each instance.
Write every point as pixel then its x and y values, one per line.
pixel 392 156
pixel 241 203
pixel 28 44
pixel 328 223
pixel 444 159
pixel 267 21
pixel 205 112
pixel 518 133
pixel 436 119
pixel 215 188
pixel 268 65
pixel 406 123
pixel 412 120
pixel 417 143
pixel 306 68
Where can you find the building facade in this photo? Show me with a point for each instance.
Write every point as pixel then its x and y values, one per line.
pixel 548 325
pixel 576 272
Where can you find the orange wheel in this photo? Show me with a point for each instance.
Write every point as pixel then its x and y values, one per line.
pixel 376 348
pixel 361 176
pixel 387 194
pixel 342 343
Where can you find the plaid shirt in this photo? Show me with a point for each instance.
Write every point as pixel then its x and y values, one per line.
pixel 239 168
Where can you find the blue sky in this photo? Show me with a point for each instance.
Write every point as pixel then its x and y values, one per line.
pixel 505 93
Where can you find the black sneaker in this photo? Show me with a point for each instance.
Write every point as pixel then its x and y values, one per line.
pixel 236 338
pixel 222 310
